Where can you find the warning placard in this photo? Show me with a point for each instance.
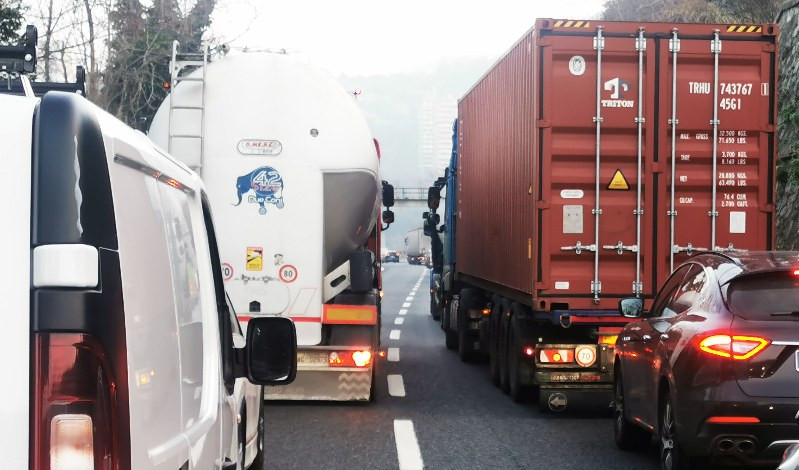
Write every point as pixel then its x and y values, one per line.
pixel 618 182
pixel 255 258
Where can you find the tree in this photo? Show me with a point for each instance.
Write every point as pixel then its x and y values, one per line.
pixel 140 51
pixel 11 17
pixel 693 11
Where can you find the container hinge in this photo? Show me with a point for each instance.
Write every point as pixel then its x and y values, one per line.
pixel 638 288
pixel 767 128
pixel 599 44
pixel 715 46
pixel 596 287
pixel 640 44
pixel 767 208
pixel 687 249
pixel 674 45
pixel 542 205
pixel 542 123
pixel 621 248
pixel 729 249
pixel 578 248
pixel 769 48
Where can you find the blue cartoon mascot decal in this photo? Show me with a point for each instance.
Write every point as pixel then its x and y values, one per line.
pixel 267 185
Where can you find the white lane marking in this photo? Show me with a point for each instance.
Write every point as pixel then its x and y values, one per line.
pixel 395 334
pixel 406 305
pixel 403 311
pixel 399 320
pixel 408 453
pixel 396 387
pixel 393 354
pixel 409 298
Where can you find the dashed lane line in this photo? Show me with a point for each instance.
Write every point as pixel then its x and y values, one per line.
pixel 408 453
pixel 409 298
pixel 395 334
pixel 393 355
pixel 406 305
pixel 399 320
pixel 403 311
pixel 396 387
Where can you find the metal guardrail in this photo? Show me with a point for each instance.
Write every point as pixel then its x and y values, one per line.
pixel 410 194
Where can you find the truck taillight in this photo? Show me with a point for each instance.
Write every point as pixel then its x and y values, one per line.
pixel 737 347
pixel 349 358
pixel 73 416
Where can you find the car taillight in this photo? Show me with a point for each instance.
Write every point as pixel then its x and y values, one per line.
pixel 738 347
pixel 74 406
pixel 349 358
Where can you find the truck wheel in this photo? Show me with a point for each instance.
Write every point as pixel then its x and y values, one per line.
pixel 493 340
pixel 469 300
pixel 519 393
pixel 435 310
pixel 504 324
pixel 450 337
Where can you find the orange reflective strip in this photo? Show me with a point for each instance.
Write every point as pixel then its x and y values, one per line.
pixel 350 315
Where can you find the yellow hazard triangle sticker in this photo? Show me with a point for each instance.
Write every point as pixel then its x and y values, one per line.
pixel 618 182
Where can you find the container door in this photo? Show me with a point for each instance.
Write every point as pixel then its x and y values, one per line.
pixel 717 146
pixel 597 227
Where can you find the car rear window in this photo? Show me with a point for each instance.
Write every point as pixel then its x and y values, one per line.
pixel 768 296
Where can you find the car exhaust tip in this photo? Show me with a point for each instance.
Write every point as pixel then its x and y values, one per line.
pixel 746 446
pixel 725 445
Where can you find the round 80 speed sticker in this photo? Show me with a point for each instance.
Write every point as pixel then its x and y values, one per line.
pixel 288 273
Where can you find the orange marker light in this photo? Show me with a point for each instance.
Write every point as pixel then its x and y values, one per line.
pixel 733 419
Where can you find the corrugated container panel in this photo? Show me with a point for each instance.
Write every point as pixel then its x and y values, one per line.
pixel 495 173
pixel 523 182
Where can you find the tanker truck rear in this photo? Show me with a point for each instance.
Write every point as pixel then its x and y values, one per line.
pixel 588 162
pixel 291 171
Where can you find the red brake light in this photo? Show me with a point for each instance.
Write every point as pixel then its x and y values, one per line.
pixel 73 417
pixel 349 358
pixel 737 347
pixel 529 351
pixel 796 272
pixel 733 419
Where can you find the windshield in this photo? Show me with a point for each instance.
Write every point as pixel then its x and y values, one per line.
pixel 765 296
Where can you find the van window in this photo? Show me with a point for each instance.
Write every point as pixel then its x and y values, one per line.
pixel 757 297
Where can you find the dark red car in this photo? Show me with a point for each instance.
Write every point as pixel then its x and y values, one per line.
pixel 712 370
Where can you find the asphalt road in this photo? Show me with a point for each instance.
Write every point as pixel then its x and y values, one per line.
pixel 440 413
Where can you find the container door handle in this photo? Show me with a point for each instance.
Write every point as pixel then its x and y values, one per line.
pixel 621 248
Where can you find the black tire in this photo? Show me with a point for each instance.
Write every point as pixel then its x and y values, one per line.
pixel 628 436
pixel 504 375
pixel 450 337
pixel 519 393
pixel 435 310
pixel 260 460
pixel 493 342
pixel 671 454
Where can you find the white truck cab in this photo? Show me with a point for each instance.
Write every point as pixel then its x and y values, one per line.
pixel 124 352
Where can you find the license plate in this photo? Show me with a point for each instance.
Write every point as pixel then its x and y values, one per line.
pixel 311 357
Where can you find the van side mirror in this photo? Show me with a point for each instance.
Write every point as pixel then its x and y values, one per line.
pixel 271 352
pixel 632 307
pixel 433 197
pixel 388 194
pixel 388 217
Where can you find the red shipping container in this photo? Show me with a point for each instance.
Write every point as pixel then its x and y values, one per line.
pixel 583 177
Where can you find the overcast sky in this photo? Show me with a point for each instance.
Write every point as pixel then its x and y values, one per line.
pixel 360 37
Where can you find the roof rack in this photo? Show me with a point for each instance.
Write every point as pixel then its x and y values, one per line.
pixel 18 63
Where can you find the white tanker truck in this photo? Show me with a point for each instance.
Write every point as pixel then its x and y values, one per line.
pixel 291 171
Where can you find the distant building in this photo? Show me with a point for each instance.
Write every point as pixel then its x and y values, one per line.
pixel 436 115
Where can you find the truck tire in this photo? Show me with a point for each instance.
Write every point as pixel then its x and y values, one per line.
pixel 493 340
pixel 450 337
pixel 470 299
pixel 504 376
pixel 435 309
pixel 519 392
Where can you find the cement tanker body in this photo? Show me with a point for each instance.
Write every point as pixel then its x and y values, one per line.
pixel 291 171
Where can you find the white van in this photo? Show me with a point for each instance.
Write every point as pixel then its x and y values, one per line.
pixel 130 356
